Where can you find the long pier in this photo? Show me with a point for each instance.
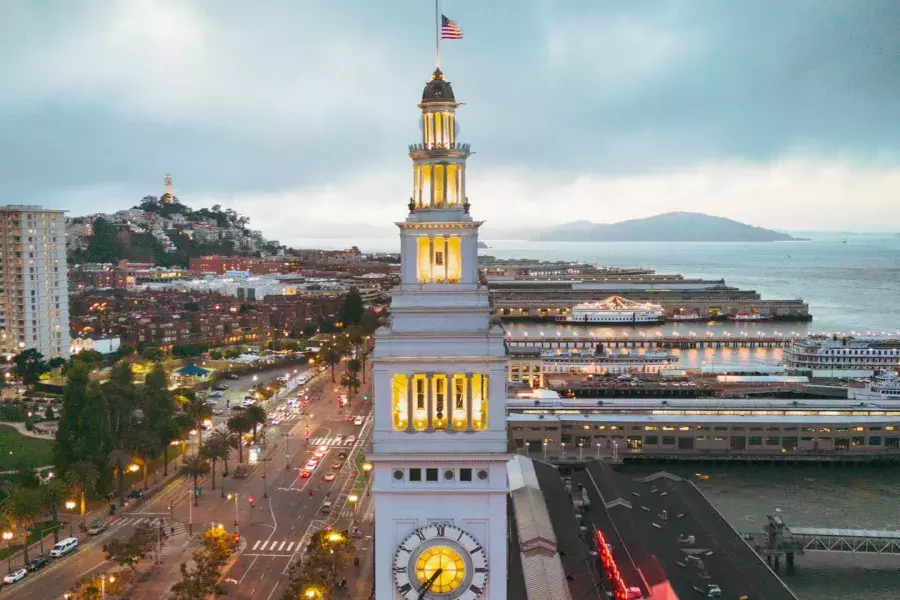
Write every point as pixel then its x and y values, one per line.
pixel 651 341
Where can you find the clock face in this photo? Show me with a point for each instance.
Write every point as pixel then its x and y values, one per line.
pixel 440 562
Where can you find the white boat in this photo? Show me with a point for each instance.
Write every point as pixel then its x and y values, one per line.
pixel 615 309
pixel 885 386
pixel 601 361
pixel 842 356
pixel 690 317
pixel 754 317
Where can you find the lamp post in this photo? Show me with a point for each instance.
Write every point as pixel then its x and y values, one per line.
pixel 235 497
pixel 563 446
pixel 112 579
pixel 287 452
pixel 598 450
pixel 580 451
pixel 353 499
pixel 545 449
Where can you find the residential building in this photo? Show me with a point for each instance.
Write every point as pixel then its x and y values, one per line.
pixel 97 343
pixel 34 299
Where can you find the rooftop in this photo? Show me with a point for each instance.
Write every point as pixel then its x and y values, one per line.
pixel 644 519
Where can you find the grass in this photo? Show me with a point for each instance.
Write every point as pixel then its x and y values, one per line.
pixel 14 446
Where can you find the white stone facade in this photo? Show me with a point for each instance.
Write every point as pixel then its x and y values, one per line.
pixel 439 445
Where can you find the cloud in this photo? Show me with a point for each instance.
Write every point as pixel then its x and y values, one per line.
pixel 792 193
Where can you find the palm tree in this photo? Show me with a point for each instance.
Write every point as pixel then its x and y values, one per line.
pixel 239 425
pixel 197 412
pixel 52 494
pixel 350 382
pixel 172 429
pixel 331 356
pixel 22 508
pixel 255 416
pixel 226 440
pixel 118 460
pixel 145 448
pixel 194 466
pixel 214 450
pixel 82 477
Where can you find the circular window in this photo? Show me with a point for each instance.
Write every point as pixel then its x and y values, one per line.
pixel 482 474
pixel 398 474
pixel 448 474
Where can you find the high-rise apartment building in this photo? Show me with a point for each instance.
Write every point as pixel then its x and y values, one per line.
pixel 34 296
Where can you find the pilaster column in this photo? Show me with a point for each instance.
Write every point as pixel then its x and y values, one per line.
pixel 431 174
pixel 449 402
pixel 469 402
pixel 446 259
pixel 429 401
pixel 410 405
pixel 431 251
pixel 462 184
pixel 446 187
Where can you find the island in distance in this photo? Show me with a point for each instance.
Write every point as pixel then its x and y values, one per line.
pixel 667 227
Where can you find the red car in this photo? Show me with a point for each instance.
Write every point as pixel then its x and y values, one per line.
pixel 305 474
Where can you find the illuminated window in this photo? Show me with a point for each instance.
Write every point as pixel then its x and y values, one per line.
pixel 479 401
pixel 420 415
pixel 439 414
pixel 452 185
pixel 400 389
pixel 426 186
pixel 438 186
pixel 439 259
pixel 459 401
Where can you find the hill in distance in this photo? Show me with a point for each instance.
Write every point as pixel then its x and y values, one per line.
pixel 667 227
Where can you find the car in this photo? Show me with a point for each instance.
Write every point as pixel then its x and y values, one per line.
pixel 342 454
pixel 337 464
pixel 37 563
pixel 350 439
pixel 326 506
pixel 275 421
pixel 329 477
pixel 14 576
pixel 221 387
pixel 233 376
pixel 311 465
pixel 338 439
pixel 216 395
pixel 135 494
pixel 97 527
pixel 358 421
pixel 305 473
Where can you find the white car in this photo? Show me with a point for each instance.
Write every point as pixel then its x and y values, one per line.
pixel 329 477
pixel 358 421
pixel 311 465
pixel 350 439
pixel 15 576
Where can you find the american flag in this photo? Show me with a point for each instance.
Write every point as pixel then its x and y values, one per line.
pixel 450 30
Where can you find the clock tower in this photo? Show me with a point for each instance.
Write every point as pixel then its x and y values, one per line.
pixel 439 446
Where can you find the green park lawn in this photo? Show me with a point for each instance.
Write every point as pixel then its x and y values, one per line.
pixel 14 445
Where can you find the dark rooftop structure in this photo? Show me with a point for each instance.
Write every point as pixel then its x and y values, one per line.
pixel 669 541
pixel 438 89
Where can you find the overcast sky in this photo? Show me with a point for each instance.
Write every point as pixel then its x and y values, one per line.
pixel 299 113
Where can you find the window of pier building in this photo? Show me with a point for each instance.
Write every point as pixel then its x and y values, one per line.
pixel 439 401
pixel 439 259
pixel 438 185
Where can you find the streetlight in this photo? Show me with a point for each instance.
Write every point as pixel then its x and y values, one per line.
pixel 563 446
pixel 580 451
pixel 8 535
pixel 353 498
pixel 367 468
pixel 235 497
pixel 134 468
pixel 312 593
pixel 112 579
pixel 70 505
pixel 545 449
pixel 598 450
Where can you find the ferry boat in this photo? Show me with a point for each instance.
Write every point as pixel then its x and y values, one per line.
pixel 690 317
pixel 615 309
pixel 601 361
pixel 844 356
pixel 752 318
pixel 885 385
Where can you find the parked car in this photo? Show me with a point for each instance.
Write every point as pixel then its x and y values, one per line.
pixel 233 376
pixel 38 563
pixel 329 477
pixel 216 395
pixel 358 421
pixel 350 439
pixel 14 576
pixel 336 464
pixel 221 387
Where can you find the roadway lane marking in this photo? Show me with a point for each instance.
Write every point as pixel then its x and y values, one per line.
pixel 98 565
pixel 264 544
pixel 256 544
pixel 291 545
pixel 281 546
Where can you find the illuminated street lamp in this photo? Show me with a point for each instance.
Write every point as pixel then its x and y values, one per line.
pixel 112 579
pixel 335 537
pixel 134 468
pixel 312 593
pixel 367 468
pixel 353 498
pixel 70 505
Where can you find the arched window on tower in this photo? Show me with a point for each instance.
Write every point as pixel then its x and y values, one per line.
pixel 399 401
pixel 459 402
pixel 479 401
pixel 439 406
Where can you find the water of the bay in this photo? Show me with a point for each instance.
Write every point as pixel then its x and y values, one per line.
pixel 849 287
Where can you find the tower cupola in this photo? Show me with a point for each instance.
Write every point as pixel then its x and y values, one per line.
pixel 439 161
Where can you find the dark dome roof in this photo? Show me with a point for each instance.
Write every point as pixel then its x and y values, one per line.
pixel 438 90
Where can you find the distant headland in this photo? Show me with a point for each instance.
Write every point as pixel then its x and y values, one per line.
pixel 667 227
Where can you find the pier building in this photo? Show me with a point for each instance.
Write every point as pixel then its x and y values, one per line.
pixel 569 430
pixel 842 356
pixel 548 297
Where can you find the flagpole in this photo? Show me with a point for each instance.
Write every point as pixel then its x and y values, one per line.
pixel 437 34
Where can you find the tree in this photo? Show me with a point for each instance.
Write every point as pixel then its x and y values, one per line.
pixel 331 357
pixel 22 508
pixel 350 382
pixel 30 366
pixel 256 416
pixel 239 425
pixel 133 549
pixel 320 567
pixel 82 478
pixel 153 354
pixel 197 412
pixel 145 446
pixel 226 440
pixel 352 310
pixel 53 493
pixel 194 466
pixel 200 580
pixel 214 450
pixel 56 362
pixel 118 460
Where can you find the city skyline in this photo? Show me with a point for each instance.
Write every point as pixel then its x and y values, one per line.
pixel 614 112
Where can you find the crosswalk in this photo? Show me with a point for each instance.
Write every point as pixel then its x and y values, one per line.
pixel 330 441
pixel 274 547
pixel 170 527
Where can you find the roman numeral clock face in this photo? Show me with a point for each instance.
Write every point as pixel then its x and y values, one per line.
pixel 440 562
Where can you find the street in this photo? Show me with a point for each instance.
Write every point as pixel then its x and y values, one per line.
pixel 284 507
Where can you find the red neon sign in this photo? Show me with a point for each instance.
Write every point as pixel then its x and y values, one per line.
pixel 609 567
